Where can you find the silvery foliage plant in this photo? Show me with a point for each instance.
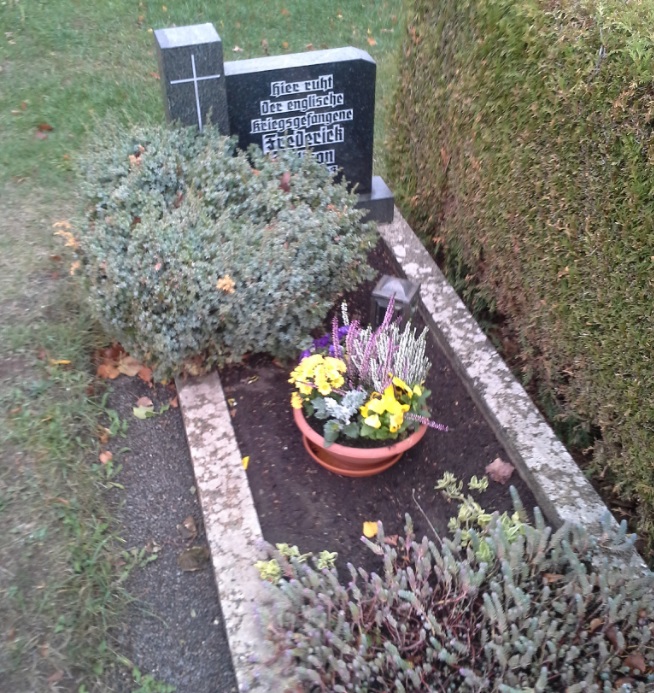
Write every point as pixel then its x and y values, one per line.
pixel 546 611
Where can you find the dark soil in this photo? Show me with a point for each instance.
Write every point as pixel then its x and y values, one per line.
pixel 299 502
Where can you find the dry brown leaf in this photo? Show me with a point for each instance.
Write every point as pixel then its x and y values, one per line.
pixel 174 402
pixel 44 127
pixel 105 457
pixel 144 402
pixel 636 661
pixel 371 41
pixel 285 45
pixel 129 366
pixel 195 558
pixel 145 374
pixel 285 12
pixel 595 624
pixel 188 529
pixel 56 677
pixel 103 435
pixel 107 371
pixel 499 470
pixel 391 540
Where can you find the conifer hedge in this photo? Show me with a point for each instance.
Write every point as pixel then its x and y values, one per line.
pixel 522 150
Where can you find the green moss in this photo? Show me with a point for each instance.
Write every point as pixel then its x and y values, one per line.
pixel 521 149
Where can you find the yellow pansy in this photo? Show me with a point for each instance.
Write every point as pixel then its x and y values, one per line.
pixel 400 384
pixel 373 421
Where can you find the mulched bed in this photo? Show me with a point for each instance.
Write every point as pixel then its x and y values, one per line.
pixel 299 502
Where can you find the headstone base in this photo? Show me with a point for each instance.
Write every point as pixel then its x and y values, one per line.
pixel 379 202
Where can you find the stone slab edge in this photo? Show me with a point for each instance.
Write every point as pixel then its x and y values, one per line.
pixel 233 533
pixel 561 490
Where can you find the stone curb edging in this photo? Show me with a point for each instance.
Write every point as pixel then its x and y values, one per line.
pixel 233 533
pixel 231 520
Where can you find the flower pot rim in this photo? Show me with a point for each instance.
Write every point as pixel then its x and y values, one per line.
pixel 395 448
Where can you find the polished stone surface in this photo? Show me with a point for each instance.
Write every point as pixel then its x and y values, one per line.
pixel 191 70
pixel 318 100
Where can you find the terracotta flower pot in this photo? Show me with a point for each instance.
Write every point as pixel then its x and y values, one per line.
pixel 351 461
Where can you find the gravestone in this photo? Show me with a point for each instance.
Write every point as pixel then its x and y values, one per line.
pixel 319 103
pixel 322 100
pixel 192 75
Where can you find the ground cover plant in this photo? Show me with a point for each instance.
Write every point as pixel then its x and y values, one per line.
pixel 195 255
pixel 63 67
pixel 530 177
pixel 488 610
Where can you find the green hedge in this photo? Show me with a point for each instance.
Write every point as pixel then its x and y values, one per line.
pixel 522 150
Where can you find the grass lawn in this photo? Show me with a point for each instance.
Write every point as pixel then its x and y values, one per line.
pixel 65 66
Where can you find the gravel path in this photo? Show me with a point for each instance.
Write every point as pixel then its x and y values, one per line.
pixel 174 631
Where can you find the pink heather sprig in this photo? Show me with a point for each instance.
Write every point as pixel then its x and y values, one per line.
pixel 426 422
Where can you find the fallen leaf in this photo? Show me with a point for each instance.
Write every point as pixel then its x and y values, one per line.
pixel 145 374
pixel 636 661
pixel 595 624
pixel 309 47
pixel 164 8
pixel 499 470
pixel 252 379
pixel 155 75
pixel 285 12
pixel 107 371
pixel 371 41
pixel 195 558
pixel 60 362
pixel 144 402
pixel 74 267
pixel 188 529
pixel 129 366
pixel 370 529
pixel 174 402
pixel 226 284
pixel 392 540
pixel 103 435
pixel 143 412
pixel 245 462
pixel 105 457
pixel 237 49
pixel 43 649
pixel 44 127
pixel 612 636
pixel 285 45
pixel 56 677
pixel 264 45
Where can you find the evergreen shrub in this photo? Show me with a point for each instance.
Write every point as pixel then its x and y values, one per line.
pixel 522 151
pixel 538 611
pixel 195 254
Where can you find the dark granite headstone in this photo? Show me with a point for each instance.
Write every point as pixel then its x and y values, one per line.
pixel 192 75
pixel 319 100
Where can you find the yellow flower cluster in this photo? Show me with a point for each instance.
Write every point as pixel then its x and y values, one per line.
pixel 378 404
pixel 322 373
